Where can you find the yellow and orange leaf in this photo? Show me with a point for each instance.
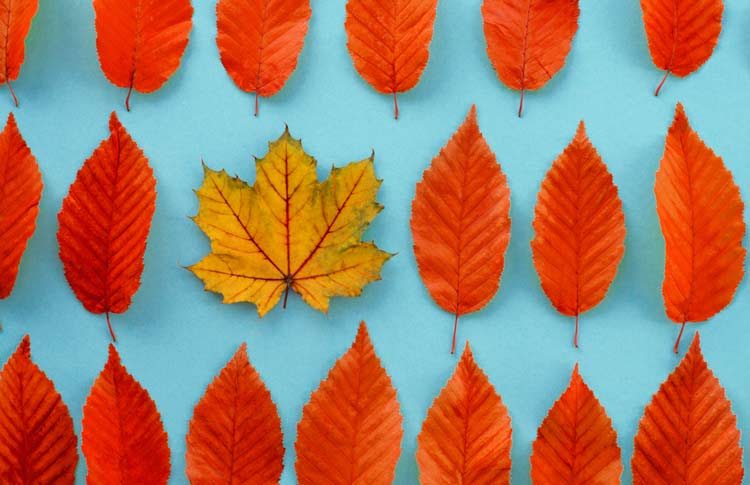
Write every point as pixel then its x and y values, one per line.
pixel 104 223
pixel 702 218
pixel 288 231
pixel 529 40
pixel 260 40
pixel 389 41
pixel 140 42
pixel 123 438
pixel 37 441
pixel 579 230
pixel 17 16
pixel 235 434
pixel 688 433
pixel 576 442
pixel 682 34
pixel 350 432
pixel 21 188
pixel 466 437
pixel 460 223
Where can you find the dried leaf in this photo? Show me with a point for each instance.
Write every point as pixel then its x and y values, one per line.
pixel 460 223
pixel 688 433
pixel 104 224
pixel 140 42
pixel 235 434
pixel 579 230
pixel 681 34
pixel 17 16
pixel 389 41
pixel 528 41
pixel 288 231
pixel 260 40
pixel 37 442
pixel 350 432
pixel 576 442
pixel 702 219
pixel 123 438
pixel 21 187
pixel 466 438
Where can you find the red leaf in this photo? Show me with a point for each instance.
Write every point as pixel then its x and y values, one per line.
pixel 460 223
pixel 37 444
pixel 350 432
pixel 17 16
pixel 235 434
pixel 466 437
pixel 580 230
pixel 140 42
pixel 688 433
pixel 702 219
pixel 260 40
pixel 681 34
pixel 123 438
pixel 528 40
pixel 104 223
pixel 576 442
pixel 21 186
pixel 389 41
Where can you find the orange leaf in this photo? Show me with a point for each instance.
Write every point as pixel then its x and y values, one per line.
pixel 576 442
pixel 681 34
pixel 235 434
pixel 466 437
pixel 104 223
pixel 528 40
pixel 140 42
pixel 701 214
pixel 260 40
pixel 38 445
pixel 389 41
pixel 580 229
pixel 688 433
pixel 350 432
pixel 460 223
pixel 123 438
pixel 17 16
pixel 21 186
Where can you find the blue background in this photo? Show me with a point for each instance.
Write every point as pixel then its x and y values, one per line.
pixel 175 337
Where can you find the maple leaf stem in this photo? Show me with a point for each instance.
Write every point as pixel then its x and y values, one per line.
pixel 679 337
pixel 575 336
pixel 520 105
pixel 663 80
pixel 256 104
pixel 455 329
pixel 111 331
pixel 127 98
pixel 12 93
pixel 286 296
pixel 395 105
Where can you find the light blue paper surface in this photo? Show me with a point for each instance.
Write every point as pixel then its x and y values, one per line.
pixel 176 337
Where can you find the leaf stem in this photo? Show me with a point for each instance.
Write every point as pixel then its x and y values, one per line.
pixel 679 337
pixel 520 105
pixel 286 295
pixel 127 98
pixel 12 93
pixel 395 105
pixel 455 329
pixel 575 336
pixel 256 104
pixel 663 80
pixel 111 332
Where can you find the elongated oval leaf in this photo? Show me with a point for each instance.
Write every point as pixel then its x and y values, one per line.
pixel 389 41
pixel 104 223
pixel 37 442
pixel 235 434
pixel 260 40
pixel 140 42
pixel 350 432
pixel 466 437
pixel 17 16
pixel 460 223
pixel 529 40
pixel 123 438
pixel 579 230
pixel 576 442
pixel 702 218
pixel 688 433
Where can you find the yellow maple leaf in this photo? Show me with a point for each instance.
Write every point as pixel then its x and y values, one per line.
pixel 289 231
